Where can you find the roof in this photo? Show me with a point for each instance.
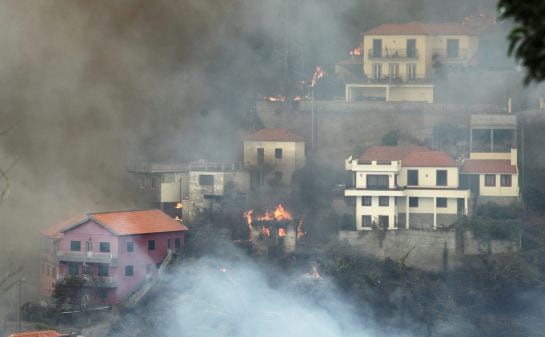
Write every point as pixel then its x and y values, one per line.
pixel 278 135
pixel 123 223
pixel 413 156
pixel 42 333
pixel 488 166
pixel 419 28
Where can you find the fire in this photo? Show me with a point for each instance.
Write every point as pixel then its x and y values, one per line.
pixel 248 217
pixel 356 51
pixel 278 98
pixel 319 73
pixel 281 232
pixel 314 273
pixel 300 232
pixel 281 214
pixel 177 218
pixel 266 231
pixel 179 205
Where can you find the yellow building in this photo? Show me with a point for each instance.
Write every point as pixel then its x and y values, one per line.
pixel 272 155
pixel 399 59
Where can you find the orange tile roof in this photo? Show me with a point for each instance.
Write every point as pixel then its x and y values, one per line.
pixel 68 223
pixel 42 333
pixel 413 156
pixel 488 166
pixel 278 135
pixel 419 28
pixel 124 223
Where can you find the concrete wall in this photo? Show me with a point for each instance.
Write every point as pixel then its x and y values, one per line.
pixel 429 249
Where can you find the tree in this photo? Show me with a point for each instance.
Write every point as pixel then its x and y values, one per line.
pixel 526 41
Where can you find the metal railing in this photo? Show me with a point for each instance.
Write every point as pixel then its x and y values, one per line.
pixel 387 79
pixel 91 257
pixel 392 54
pixel 444 55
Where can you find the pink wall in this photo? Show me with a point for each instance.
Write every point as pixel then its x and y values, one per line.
pixel 89 231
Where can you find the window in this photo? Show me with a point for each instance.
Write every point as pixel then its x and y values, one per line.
pixel 411 71
pixel 141 181
pixel 412 177
pixel 366 220
pixel 151 245
pixel 376 181
pixel 453 48
pixel 441 177
pixel 129 270
pixel 177 243
pixel 260 156
pixel 85 270
pixel 489 180
pixel 278 175
pixel 206 179
pixel 505 180
pixel 366 201
pixel 73 268
pixel 278 153
pixel 153 182
pixel 383 201
pixel 411 48
pixel 377 71
pixel 393 70
pixel 383 221
pixel 413 202
pixel 89 246
pixel 75 246
pixel 377 48
pixel 441 202
pixel 104 247
pixel 130 246
pixel 158 265
pixel 103 269
pixel 169 243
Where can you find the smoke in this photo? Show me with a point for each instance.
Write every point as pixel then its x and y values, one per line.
pixel 219 297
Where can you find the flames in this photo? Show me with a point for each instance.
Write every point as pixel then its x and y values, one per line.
pixel 280 213
pixel 356 52
pixel 318 73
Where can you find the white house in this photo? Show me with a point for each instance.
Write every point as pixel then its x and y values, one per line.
pixel 405 187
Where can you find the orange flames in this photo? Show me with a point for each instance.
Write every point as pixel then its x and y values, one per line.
pixel 281 232
pixel 356 52
pixel 300 232
pixel 266 231
pixel 179 205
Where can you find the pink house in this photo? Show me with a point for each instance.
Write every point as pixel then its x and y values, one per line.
pixel 114 253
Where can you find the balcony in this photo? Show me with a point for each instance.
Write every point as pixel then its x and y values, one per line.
pixel 446 56
pixel 89 257
pixel 389 54
pixel 93 281
pixel 400 79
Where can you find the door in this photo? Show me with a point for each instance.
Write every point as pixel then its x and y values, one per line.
pixel 377 48
pixel 411 48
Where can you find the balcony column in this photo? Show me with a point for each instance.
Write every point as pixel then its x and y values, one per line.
pixel 387 93
pixel 466 209
pixel 434 212
pixel 407 225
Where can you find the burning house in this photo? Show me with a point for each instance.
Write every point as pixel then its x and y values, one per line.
pixel 274 232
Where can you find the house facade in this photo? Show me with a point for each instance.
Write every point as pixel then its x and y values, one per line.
pixel 491 171
pixel 111 253
pixel 405 187
pixel 399 59
pixel 272 156
pixel 184 190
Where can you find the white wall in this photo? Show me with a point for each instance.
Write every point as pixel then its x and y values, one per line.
pixel 498 190
pixel 427 176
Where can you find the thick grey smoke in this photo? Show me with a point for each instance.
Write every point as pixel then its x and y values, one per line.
pixel 218 297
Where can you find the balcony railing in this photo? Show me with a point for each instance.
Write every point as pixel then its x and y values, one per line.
pixel 400 79
pixel 392 54
pixel 443 55
pixel 90 257
pixel 94 281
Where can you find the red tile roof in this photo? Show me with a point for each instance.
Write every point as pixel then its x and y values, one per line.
pixel 123 223
pixel 412 156
pixel 419 28
pixel 488 166
pixel 42 333
pixel 275 135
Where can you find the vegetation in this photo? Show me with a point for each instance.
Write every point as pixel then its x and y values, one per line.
pixel 526 38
